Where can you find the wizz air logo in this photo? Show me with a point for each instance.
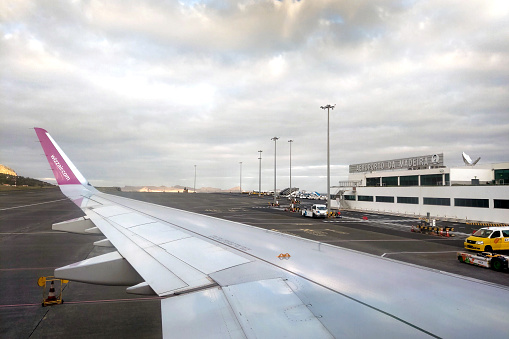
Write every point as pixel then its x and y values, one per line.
pixel 62 170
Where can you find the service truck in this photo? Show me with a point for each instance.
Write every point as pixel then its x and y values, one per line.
pixel 488 239
pixel 316 211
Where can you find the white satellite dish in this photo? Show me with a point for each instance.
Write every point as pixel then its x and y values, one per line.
pixel 468 161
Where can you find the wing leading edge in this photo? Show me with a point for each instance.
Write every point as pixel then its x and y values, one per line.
pixel 224 279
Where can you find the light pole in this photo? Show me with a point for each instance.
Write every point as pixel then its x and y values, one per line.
pixel 328 107
pixel 240 177
pixel 260 175
pixel 275 139
pixel 194 188
pixel 290 141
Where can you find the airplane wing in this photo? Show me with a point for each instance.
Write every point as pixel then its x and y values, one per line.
pixel 222 279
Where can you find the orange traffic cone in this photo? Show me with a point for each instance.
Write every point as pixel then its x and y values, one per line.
pixel 51 293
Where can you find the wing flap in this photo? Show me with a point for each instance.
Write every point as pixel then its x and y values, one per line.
pixel 107 269
pixel 159 277
pixel 169 260
pixel 202 314
pixel 159 233
pixel 110 211
pixel 202 255
pixel 79 225
pixel 131 219
pixel 189 275
pixel 259 309
pixel 270 309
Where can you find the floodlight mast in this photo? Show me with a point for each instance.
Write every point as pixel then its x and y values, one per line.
pixel 275 139
pixel 328 107
pixel 240 162
pixel 260 174
pixel 194 187
pixel 290 141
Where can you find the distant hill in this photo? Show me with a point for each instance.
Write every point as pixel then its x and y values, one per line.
pixel 7 170
pixel 175 189
pixel 16 180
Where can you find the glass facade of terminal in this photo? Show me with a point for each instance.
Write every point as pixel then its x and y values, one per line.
pixel 433 179
pixel 408 200
pixel 471 202
pixel 501 203
pixel 373 181
pixel 458 202
pixel 502 176
pixel 409 180
pixel 390 181
pixel 384 199
pixel 437 201
pixel 464 192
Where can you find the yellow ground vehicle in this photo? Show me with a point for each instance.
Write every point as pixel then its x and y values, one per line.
pixel 488 239
pixel 51 298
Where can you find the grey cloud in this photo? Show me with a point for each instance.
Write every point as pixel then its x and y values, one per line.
pixel 140 92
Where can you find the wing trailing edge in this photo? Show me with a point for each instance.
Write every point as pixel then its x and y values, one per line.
pixel 79 226
pixel 107 269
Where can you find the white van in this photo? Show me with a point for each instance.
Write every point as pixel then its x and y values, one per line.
pixel 316 211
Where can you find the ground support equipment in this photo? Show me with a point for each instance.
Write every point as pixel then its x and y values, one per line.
pixel 440 231
pixel 497 262
pixel 51 298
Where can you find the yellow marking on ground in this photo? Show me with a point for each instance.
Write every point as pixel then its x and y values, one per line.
pixel 314 232
pixel 284 232
pixel 336 231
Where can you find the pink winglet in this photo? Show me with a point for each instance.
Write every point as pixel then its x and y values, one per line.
pixel 61 170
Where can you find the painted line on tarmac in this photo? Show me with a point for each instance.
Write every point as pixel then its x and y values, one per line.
pixel 286 232
pixel 19 305
pixel 336 231
pixel 317 233
pixel 29 233
pixel 40 203
pixel 87 302
pixel 113 300
pixel 383 255
pixel 378 240
pixel 26 268
pixel 380 221
pixel 339 221
pixel 277 223
pixel 394 220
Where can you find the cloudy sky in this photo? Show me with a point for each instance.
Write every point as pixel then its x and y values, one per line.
pixel 138 92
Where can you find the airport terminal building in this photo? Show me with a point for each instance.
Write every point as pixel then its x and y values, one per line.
pixel 422 184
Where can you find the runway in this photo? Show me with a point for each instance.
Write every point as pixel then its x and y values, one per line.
pixel 30 249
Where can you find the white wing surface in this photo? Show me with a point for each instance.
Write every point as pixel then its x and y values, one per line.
pixel 222 279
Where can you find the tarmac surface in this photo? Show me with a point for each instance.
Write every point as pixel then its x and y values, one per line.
pixel 30 249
